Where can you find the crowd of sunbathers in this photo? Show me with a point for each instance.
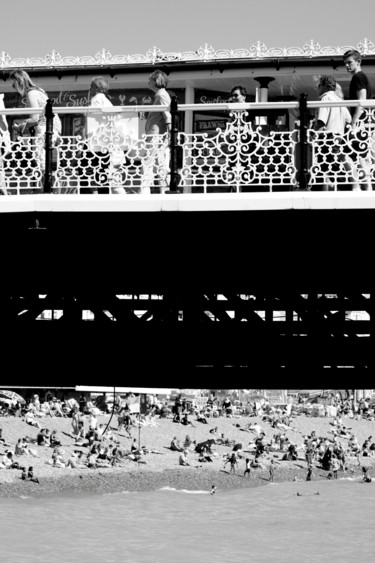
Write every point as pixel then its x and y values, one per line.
pixel 96 445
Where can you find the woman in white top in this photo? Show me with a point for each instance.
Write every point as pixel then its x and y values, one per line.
pixel 98 127
pixel 34 97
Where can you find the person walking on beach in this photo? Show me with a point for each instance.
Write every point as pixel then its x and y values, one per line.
pixel 271 470
pixel 247 467
pixel 335 466
pixel 233 463
pixel 309 473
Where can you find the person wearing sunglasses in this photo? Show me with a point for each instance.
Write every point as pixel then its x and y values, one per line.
pixel 241 135
pixel 238 95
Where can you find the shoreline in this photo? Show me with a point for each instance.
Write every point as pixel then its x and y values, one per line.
pixel 110 481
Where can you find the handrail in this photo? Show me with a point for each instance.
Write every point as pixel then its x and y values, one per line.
pixel 343 103
pixel 224 106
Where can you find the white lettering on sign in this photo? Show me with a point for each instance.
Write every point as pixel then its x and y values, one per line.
pixel 209 125
pixel 216 100
pixel 69 99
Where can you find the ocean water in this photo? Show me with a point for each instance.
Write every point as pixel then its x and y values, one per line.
pixel 265 524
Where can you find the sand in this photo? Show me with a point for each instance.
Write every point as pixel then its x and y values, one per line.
pixel 163 469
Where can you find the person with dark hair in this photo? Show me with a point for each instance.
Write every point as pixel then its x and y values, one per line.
pixel 185 420
pixel 30 475
pixel 241 140
pixel 238 95
pixel 157 129
pixel 331 123
pixel 359 89
pixel 232 460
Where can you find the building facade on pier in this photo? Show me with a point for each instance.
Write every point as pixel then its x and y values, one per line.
pixel 215 146
pixel 203 76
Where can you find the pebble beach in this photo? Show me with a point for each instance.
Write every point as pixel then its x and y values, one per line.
pixel 162 469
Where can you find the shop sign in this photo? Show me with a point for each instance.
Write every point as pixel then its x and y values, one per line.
pixel 210 97
pixel 209 125
pixel 79 98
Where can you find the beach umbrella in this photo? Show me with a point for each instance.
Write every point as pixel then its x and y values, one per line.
pixel 11 395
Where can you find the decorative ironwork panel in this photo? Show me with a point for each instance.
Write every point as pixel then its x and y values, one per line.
pixel 21 165
pixel 345 161
pixel 239 158
pixel 111 160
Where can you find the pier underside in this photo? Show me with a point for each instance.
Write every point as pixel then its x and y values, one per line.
pixel 182 298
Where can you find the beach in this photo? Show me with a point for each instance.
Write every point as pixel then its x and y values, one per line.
pixel 162 469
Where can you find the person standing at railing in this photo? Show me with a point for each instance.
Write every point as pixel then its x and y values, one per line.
pixel 333 121
pixel 359 89
pixel 35 126
pixel 241 142
pixel 155 165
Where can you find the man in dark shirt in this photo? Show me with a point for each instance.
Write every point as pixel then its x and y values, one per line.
pixel 359 89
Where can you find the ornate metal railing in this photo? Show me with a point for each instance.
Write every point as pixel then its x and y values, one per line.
pixel 242 155
pixel 343 161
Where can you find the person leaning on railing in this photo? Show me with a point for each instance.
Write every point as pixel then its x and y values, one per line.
pixel 333 122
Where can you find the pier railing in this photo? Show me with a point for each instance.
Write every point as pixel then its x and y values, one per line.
pixel 243 154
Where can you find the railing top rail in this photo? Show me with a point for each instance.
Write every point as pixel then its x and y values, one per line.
pixel 21 111
pixel 87 109
pixel 239 107
pixel 342 103
pixel 223 106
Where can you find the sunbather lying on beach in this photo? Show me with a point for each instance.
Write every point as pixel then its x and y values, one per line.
pixel 30 419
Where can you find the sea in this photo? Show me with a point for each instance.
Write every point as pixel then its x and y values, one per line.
pixel 264 524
